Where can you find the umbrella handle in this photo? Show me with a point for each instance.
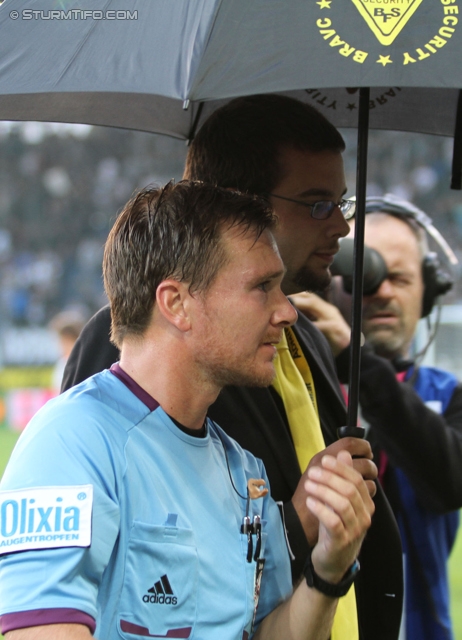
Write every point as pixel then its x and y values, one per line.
pixel 351 432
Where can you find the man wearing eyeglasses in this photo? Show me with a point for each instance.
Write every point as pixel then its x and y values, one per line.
pixel 314 210
pixel 287 152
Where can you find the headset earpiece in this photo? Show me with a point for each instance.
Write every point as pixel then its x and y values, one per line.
pixel 436 281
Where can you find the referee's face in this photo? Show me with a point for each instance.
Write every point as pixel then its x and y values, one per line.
pixel 240 318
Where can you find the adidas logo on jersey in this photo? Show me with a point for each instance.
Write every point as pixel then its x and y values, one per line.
pixel 161 593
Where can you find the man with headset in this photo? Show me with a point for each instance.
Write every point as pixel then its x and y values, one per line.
pixel 414 413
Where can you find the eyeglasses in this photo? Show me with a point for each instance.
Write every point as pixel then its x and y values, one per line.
pixel 324 208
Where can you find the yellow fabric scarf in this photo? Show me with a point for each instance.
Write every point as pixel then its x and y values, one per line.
pixel 294 383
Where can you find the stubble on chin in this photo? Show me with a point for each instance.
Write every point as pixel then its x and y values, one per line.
pixel 220 365
pixel 387 341
pixel 226 377
pixel 385 344
pixel 308 280
pixel 221 371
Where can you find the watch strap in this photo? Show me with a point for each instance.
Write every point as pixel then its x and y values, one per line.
pixel 327 588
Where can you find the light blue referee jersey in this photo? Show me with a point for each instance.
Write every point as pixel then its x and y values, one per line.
pixel 109 510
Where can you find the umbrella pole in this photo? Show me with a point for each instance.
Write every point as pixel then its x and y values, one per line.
pixel 358 258
pixel 192 131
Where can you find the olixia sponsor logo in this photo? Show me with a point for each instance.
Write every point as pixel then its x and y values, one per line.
pixel 45 518
pixel 387 19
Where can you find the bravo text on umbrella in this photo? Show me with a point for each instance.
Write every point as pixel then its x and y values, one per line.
pixel 387 19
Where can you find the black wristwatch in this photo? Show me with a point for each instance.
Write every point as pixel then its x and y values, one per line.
pixel 327 588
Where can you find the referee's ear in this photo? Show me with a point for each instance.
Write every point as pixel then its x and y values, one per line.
pixel 172 303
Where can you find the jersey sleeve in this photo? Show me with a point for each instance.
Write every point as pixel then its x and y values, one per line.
pixel 59 517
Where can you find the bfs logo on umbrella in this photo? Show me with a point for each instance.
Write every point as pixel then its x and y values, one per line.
pixel 386 22
pixel 400 37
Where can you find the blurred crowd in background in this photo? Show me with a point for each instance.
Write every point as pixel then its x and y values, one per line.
pixel 61 187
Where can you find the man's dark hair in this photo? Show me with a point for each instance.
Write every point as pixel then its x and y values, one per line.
pixel 171 232
pixel 240 144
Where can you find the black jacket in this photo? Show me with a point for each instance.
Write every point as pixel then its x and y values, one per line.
pixel 426 445
pixel 255 417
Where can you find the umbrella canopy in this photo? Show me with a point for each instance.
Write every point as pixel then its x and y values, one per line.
pixel 137 64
